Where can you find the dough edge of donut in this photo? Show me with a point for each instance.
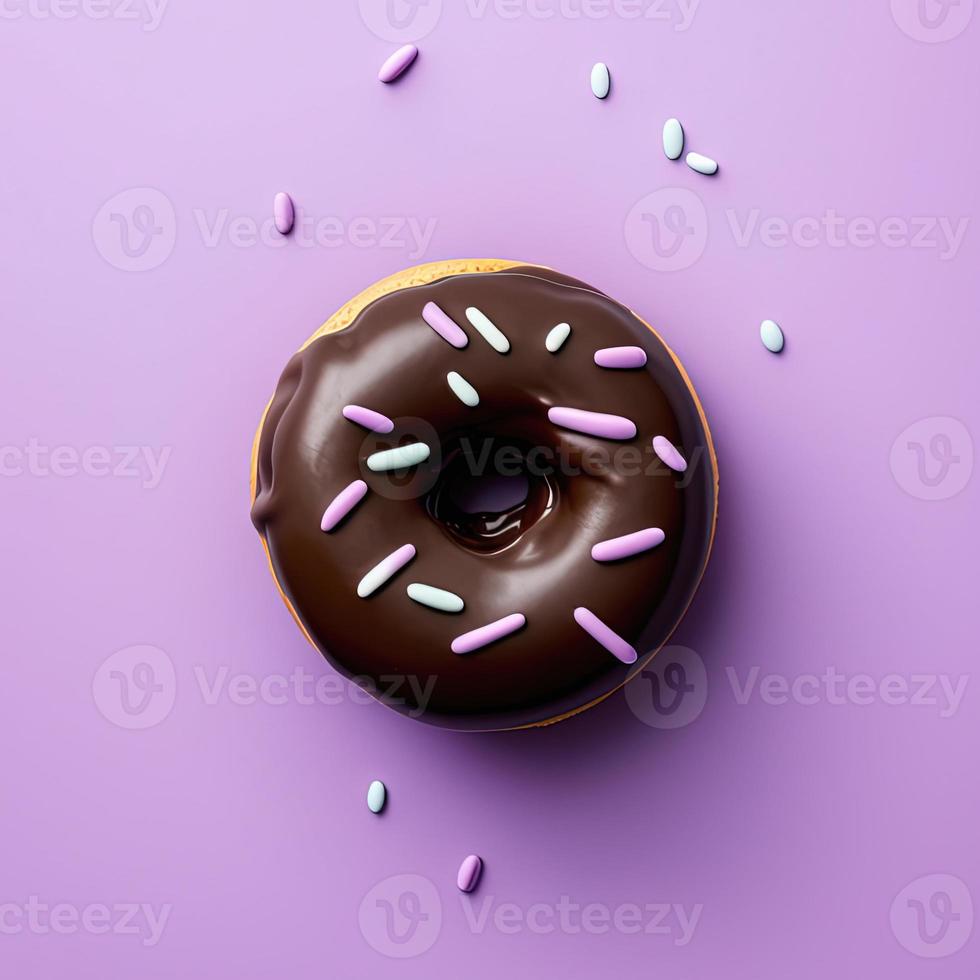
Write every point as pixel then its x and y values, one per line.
pixel 422 275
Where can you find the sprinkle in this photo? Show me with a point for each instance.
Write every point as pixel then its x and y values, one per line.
pixel 399 62
pixel 488 330
pixel 469 873
pixel 556 337
pixel 702 164
pixel 377 796
pixel 463 390
pixel 673 139
pixel 385 569
pixel 621 357
pixel 593 423
pixel 490 633
pixel 628 545
pixel 602 634
pixel 668 454
pixel 449 330
pixel 283 213
pixel 374 421
pixel 343 504
pixel 399 458
pixel 429 595
pixel 600 80
pixel 772 335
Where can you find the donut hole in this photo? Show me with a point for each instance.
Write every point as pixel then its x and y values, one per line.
pixel 487 495
pixel 491 494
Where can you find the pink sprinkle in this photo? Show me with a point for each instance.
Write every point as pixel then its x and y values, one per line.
pixel 374 421
pixel 469 873
pixel 449 330
pixel 283 213
pixel 598 630
pixel 593 423
pixel 665 449
pixel 343 504
pixel 399 62
pixel 490 633
pixel 385 569
pixel 628 545
pixel 621 357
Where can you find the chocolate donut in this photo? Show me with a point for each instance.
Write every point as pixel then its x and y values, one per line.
pixel 487 493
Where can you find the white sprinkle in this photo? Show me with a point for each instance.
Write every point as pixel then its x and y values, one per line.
pixel 399 458
pixel 488 330
pixel 429 595
pixel 377 794
pixel 702 164
pixel 673 139
pixel 772 335
pixel 556 337
pixel 600 80
pixel 385 569
pixel 463 390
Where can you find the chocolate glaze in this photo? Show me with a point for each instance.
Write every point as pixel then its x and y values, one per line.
pixel 534 556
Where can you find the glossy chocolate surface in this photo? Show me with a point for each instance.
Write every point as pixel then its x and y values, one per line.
pixel 529 555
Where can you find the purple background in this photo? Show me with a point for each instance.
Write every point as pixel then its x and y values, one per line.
pixel 794 825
